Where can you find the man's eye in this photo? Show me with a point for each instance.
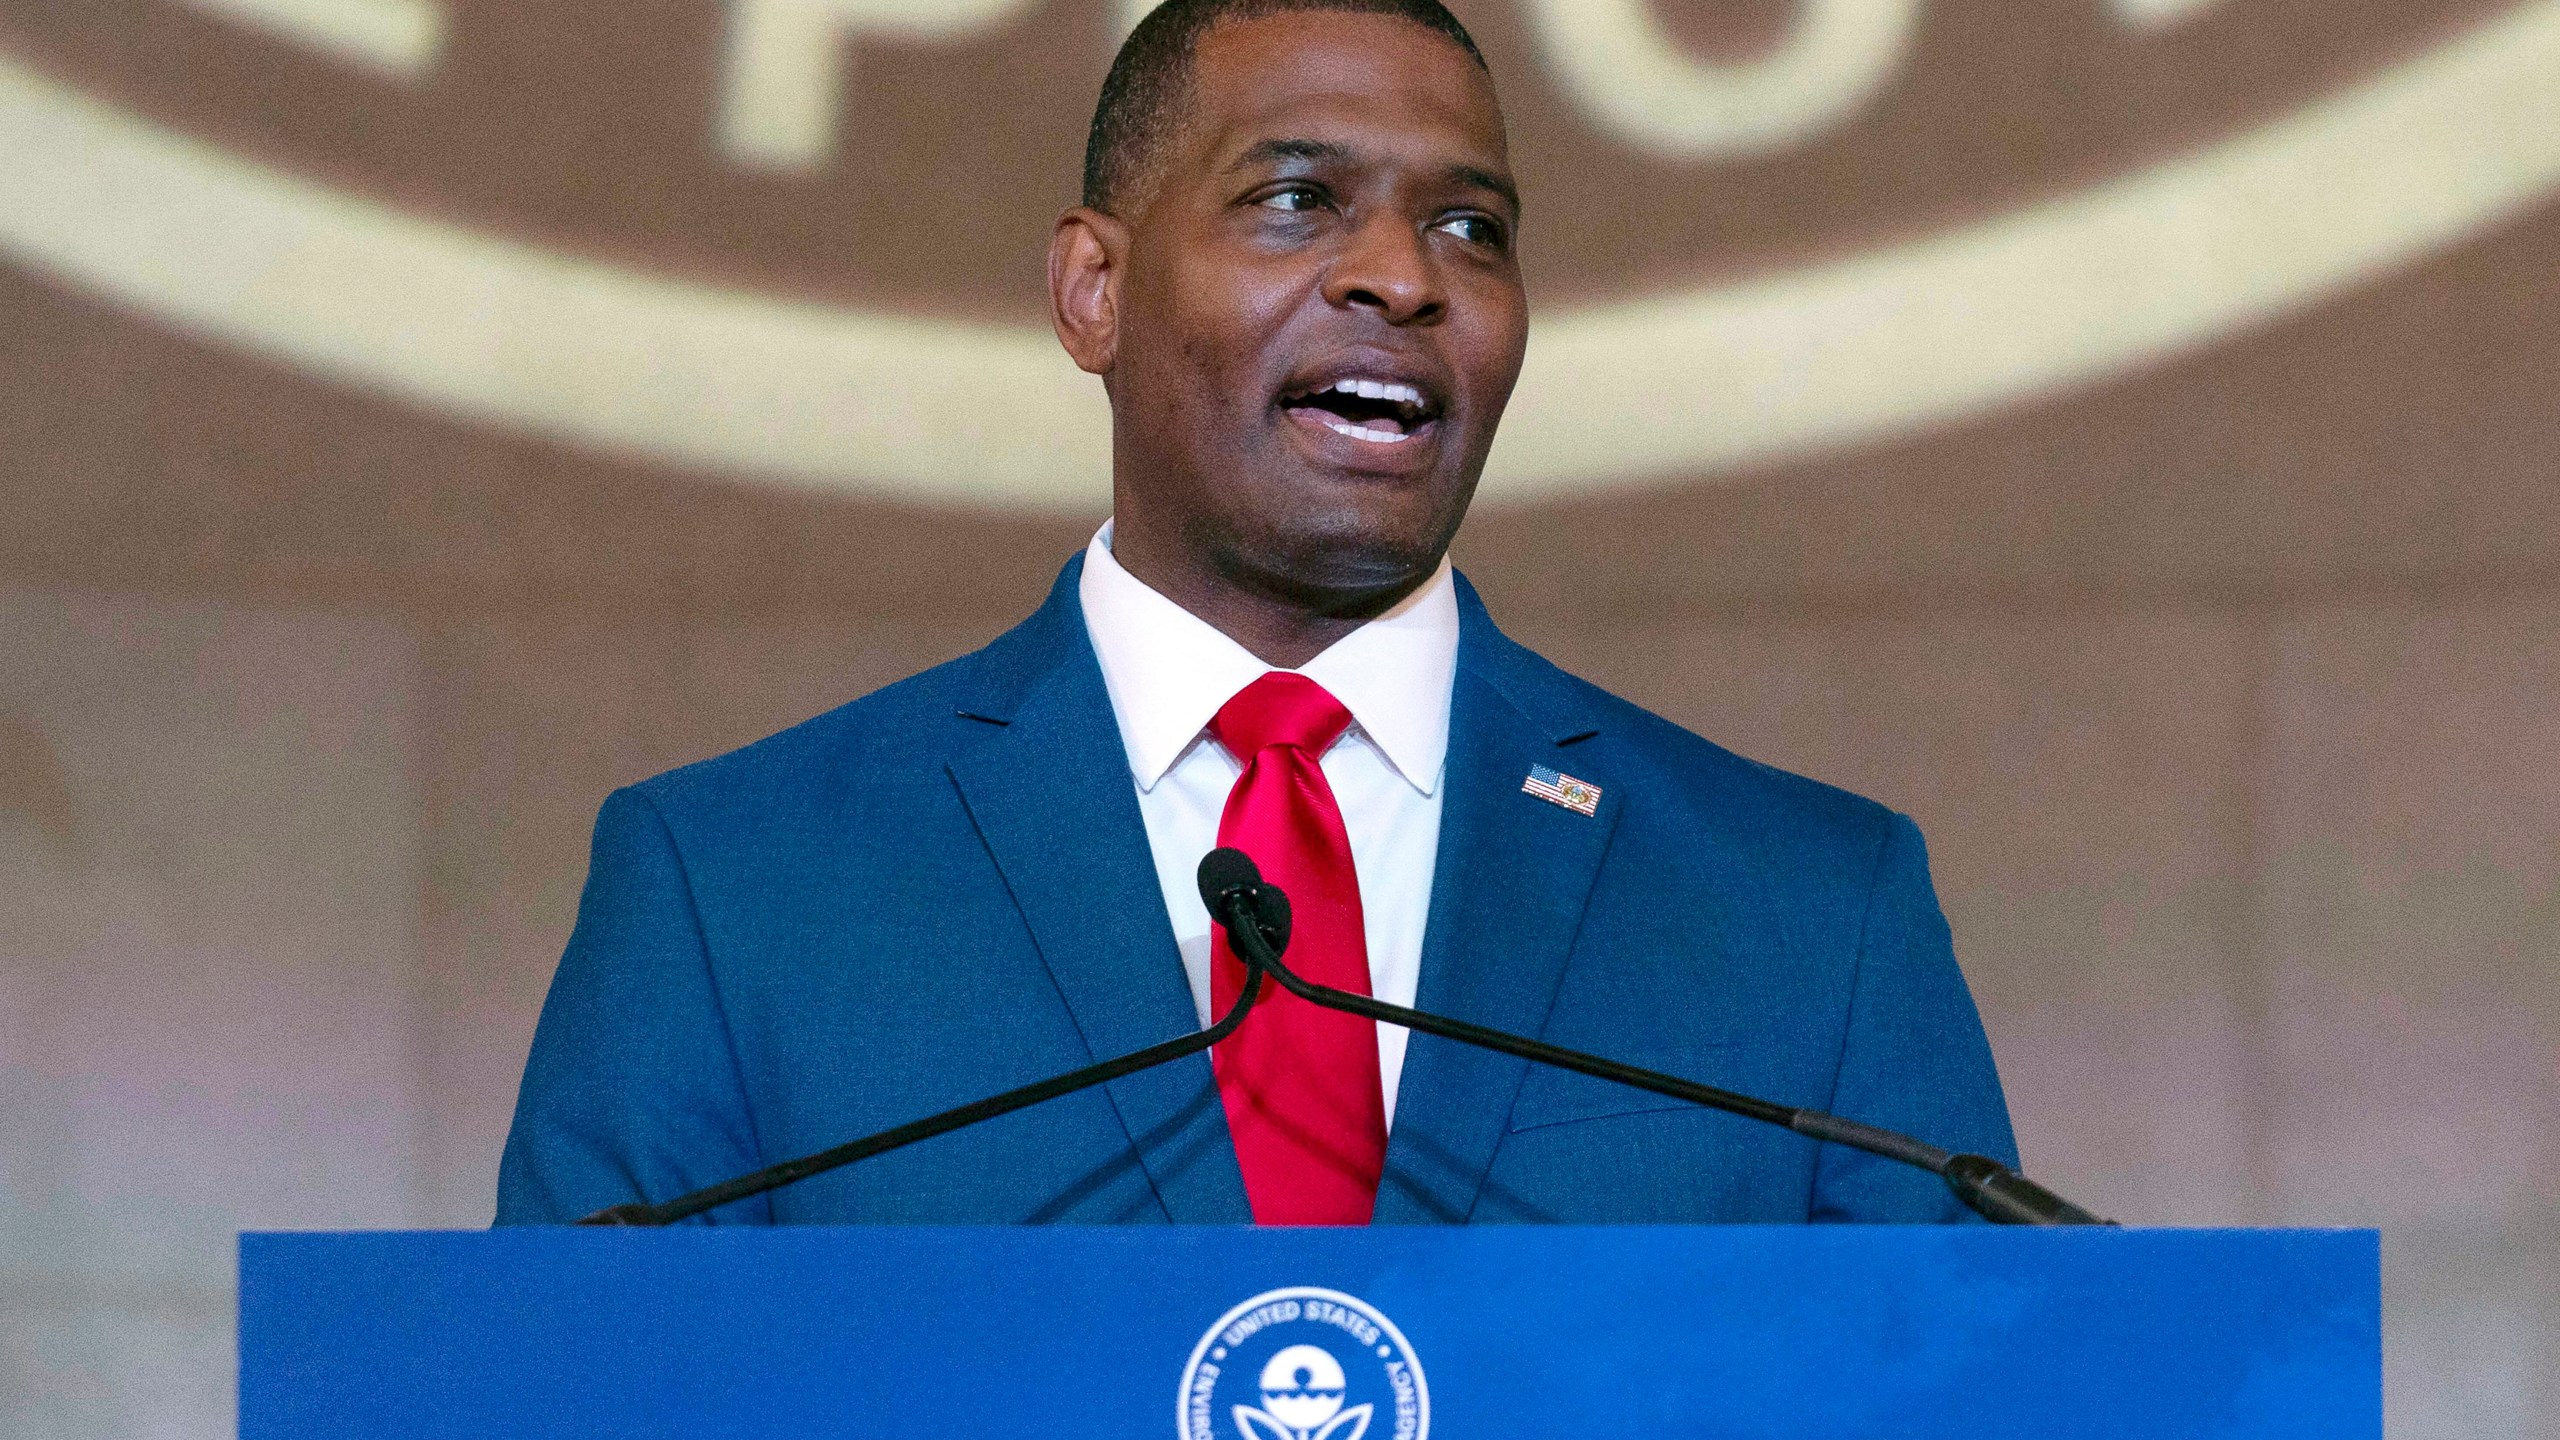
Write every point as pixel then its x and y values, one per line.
pixel 1295 197
pixel 1474 229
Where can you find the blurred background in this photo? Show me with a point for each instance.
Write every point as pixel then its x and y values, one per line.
pixel 2120 433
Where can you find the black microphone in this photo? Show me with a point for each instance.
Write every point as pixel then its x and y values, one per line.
pixel 1273 936
pixel 1247 905
pixel 1227 876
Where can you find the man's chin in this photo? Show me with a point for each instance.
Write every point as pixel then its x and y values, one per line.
pixel 1348 559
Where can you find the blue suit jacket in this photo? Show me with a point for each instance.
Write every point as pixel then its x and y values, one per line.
pixel 943 890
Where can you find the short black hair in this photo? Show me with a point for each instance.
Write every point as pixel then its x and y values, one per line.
pixel 1150 78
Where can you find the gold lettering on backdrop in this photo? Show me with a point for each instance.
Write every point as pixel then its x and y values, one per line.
pixel 784 71
pixel 2159 14
pixel 1630 76
pixel 1624 69
pixel 784 66
pixel 397 37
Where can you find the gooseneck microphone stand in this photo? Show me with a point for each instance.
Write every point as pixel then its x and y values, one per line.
pixel 1252 910
pixel 1256 918
pixel 774 1177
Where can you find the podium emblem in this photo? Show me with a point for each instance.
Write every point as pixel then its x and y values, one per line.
pixel 1303 1364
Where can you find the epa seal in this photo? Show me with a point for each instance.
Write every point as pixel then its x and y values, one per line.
pixel 1303 1364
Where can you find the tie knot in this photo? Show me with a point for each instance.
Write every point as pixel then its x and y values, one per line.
pixel 1280 709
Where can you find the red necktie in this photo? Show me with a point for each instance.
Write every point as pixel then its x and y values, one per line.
pixel 1300 1084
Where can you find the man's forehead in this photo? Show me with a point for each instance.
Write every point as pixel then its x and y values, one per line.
pixel 1368 86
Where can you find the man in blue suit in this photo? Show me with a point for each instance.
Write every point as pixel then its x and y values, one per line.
pixel 1295 272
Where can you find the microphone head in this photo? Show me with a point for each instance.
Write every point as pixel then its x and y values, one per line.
pixel 1226 871
pixel 1223 871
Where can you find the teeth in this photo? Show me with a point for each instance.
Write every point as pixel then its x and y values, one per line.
pixel 1363 432
pixel 1376 390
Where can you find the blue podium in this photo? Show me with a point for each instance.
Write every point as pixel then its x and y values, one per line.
pixel 1378 1334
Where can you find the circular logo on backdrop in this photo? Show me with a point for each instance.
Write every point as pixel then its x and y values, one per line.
pixel 1303 1364
pixel 800 241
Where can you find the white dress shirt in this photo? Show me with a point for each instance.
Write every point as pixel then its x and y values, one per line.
pixel 1169 672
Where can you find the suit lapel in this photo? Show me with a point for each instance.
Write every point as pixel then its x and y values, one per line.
pixel 1051 796
pixel 1507 898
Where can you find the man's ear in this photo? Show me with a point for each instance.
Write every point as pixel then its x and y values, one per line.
pixel 1087 255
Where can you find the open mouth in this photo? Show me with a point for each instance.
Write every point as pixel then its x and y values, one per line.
pixel 1379 412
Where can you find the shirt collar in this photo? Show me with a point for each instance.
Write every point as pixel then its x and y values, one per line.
pixel 1169 671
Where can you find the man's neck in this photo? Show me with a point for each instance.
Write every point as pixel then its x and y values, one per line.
pixel 1282 630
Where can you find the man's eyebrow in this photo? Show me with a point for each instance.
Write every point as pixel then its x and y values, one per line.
pixel 1263 152
pixel 1483 179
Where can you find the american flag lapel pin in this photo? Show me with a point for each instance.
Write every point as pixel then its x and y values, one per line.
pixel 1579 796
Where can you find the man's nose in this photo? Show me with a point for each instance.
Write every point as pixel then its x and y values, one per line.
pixel 1388 267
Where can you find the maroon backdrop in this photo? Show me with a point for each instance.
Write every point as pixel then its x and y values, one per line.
pixel 2220 666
